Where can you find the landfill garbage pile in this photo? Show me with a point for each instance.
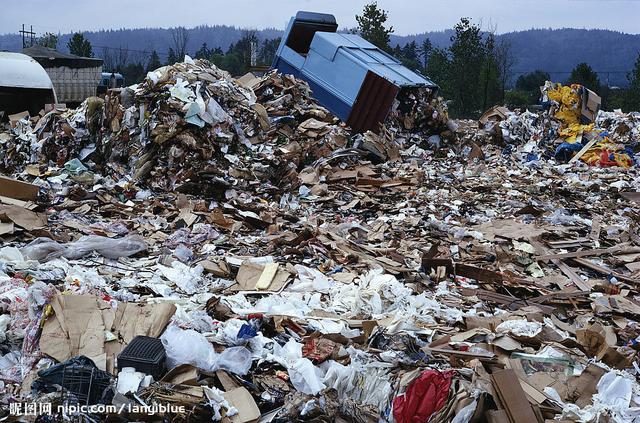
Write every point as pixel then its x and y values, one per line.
pixel 420 114
pixel 58 136
pixel 183 126
pixel 391 280
pixel 569 129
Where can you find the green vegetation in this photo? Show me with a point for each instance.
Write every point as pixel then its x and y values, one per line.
pixel 371 26
pixel 583 74
pixel 632 97
pixel 80 46
pixel 49 40
pixel 472 72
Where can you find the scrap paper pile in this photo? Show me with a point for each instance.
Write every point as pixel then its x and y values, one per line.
pixel 229 247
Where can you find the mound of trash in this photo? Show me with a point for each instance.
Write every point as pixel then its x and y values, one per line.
pixel 203 248
pixel 569 128
pixel 186 126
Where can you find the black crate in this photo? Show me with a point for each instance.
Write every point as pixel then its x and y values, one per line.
pixel 82 382
pixel 146 355
pixel 86 384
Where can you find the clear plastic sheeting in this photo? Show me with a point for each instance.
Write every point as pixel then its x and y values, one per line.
pixel 45 249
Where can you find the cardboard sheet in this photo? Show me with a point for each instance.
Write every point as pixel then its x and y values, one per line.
pixel 80 322
pixel 249 275
pixel 17 189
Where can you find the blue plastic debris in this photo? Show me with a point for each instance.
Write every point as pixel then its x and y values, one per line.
pixel 247 331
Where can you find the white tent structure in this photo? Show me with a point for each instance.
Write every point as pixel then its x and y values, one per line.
pixel 24 84
pixel 21 71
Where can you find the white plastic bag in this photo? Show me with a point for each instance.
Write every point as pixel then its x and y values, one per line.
pixel 236 360
pixel 42 249
pixel 191 347
pixel 188 347
pixel 187 278
pixel 305 377
pixel 520 327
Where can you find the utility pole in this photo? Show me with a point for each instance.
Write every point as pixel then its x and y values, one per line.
pixel 24 33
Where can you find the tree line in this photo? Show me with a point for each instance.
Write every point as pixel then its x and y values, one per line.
pixel 473 73
pixel 238 59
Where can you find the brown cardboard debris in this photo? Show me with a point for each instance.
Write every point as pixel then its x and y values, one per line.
pixel 77 328
pixel 600 341
pixel 22 217
pixel 13 119
pixel 80 321
pixel 494 114
pixel 183 374
pixel 512 396
pixel 250 273
pixel 248 411
pixel 267 276
pixel 18 189
pixel 631 196
pixel 590 105
pixel 6 228
pixel 248 80
pixel 509 229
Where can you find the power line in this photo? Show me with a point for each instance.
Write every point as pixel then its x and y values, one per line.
pixel 160 53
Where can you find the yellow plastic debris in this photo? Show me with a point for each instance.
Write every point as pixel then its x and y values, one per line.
pixel 571 132
pixel 569 100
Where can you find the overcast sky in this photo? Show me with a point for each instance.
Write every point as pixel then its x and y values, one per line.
pixel 407 16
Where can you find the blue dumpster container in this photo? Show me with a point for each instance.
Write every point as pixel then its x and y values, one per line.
pixel 355 80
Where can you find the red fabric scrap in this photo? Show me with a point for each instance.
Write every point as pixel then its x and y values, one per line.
pixel 426 395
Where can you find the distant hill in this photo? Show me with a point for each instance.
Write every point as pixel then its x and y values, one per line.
pixel 556 51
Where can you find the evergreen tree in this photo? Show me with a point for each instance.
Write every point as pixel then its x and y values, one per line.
pixel 49 40
pixel 425 51
pixel 268 50
pixel 584 75
pixel 408 55
pixel 532 81
pixel 204 52
pixel 397 51
pixel 632 100
pixel 234 64
pixel 439 69
pixel 80 46
pixel 371 26
pixel 468 54
pixel 171 57
pixel 410 51
pixel 529 85
pixel 133 73
pixel 154 62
